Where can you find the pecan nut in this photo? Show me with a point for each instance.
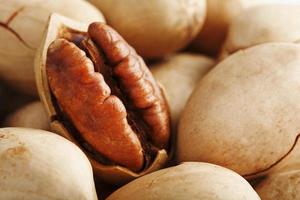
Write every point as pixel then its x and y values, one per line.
pixel 106 92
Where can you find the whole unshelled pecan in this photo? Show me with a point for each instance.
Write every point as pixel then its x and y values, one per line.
pixel 105 90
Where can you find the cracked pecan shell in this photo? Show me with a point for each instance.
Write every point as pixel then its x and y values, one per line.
pixel 100 94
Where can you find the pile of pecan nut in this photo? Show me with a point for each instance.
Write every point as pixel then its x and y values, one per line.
pixel 106 99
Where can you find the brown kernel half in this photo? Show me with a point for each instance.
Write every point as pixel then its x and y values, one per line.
pixel 118 125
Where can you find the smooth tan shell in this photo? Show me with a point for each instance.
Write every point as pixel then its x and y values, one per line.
pixel 179 74
pixel 290 162
pixel 268 23
pixel 32 115
pixel 188 181
pixel 220 13
pixel 157 27
pixel 113 174
pixel 283 181
pixel 284 185
pixel 36 164
pixel 27 21
pixel 243 115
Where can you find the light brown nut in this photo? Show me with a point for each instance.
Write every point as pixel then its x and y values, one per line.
pixel 283 181
pixel 31 115
pixel 243 115
pixel 103 97
pixel 179 74
pixel 37 165
pixel 21 28
pixel 220 15
pixel 188 181
pixel 268 23
pixel 157 27
pixel 285 185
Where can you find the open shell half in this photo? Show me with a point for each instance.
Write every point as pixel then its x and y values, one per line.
pixel 62 27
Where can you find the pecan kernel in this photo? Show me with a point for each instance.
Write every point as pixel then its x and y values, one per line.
pixel 108 94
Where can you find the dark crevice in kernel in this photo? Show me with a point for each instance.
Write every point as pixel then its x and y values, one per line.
pixel 134 116
pixel 72 35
